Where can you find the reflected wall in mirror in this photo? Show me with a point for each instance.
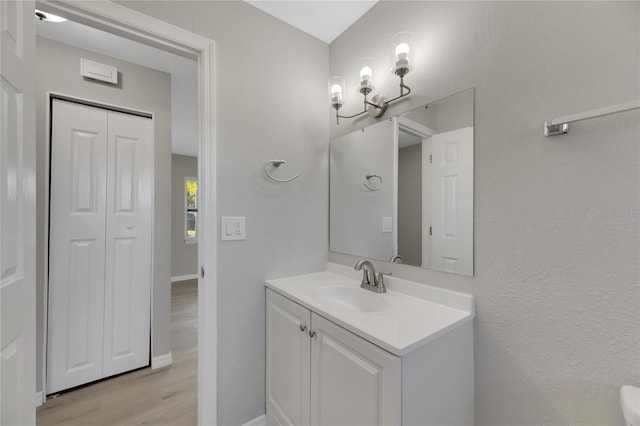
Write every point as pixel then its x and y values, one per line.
pixel 401 189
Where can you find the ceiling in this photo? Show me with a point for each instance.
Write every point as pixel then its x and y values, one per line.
pixel 323 19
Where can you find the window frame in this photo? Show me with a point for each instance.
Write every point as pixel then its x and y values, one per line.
pixel 188 239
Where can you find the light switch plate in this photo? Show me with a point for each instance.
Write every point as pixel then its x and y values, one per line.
pixel 387 224
pixel 233 228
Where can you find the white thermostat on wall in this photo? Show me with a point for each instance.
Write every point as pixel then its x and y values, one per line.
pixel 98 71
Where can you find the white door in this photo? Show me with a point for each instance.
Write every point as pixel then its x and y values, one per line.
pixel 127 296
pixel 77 245
pixel 17 213
pixel 100 244
pixel 288 361
pixel 452 203
pixel 353 382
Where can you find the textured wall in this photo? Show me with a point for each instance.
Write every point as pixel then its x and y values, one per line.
pixel 58 70
pixel 271 100
pixel 184 256
pixel 556 219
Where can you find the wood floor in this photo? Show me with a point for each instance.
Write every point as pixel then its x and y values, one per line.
pixel 166 396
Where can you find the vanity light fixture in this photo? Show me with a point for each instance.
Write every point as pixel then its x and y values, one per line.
pixel 49 17
pixel 401 64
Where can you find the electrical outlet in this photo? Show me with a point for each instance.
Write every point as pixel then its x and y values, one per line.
pixel 233 228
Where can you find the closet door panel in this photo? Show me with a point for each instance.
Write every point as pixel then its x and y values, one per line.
pixel 77 242
pixel 128 242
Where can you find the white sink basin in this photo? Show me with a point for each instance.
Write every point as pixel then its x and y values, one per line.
pixel 354 299
pixel 407 316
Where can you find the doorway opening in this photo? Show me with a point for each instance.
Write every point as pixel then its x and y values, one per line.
pixel 118 19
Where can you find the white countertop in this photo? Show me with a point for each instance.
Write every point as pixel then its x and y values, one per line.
pixel 413 314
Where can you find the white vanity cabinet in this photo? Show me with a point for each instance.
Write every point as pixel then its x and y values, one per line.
pixel 318 373
pixel 338 355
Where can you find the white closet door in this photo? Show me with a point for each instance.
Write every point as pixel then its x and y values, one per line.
pixel 77 245
pixel 128 243
pixel 452 202
pixel 100 244
pixel 17 213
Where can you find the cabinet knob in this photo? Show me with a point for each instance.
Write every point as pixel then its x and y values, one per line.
pixel 312 334
pixel 303 327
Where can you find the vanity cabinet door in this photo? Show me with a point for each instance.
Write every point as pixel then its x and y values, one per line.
pixel 288 357
pixel 353 382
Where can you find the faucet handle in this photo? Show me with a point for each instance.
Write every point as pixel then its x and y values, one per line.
pixel 382 274
pixel 380 281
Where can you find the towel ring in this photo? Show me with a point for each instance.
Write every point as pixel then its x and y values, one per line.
pixel 276 163
pixel 370 176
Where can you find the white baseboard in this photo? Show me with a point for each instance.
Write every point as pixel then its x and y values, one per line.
pixel 258 421
pixel 184 278
pixel 161 361
pixel 39 400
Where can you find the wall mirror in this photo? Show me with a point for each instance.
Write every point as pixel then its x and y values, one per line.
pixel 401 190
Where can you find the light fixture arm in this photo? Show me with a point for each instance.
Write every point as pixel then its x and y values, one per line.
pixel 402 94
pixel 338 116
pixel 382 106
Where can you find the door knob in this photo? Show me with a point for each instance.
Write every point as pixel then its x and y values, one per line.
pixel 312 334
pixel 303 327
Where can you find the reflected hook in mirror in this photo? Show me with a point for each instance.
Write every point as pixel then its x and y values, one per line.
pixel 372 186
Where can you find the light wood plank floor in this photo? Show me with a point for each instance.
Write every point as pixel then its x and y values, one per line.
pixel 166 396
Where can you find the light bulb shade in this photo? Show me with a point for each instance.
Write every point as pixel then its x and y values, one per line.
pixel 336 91
pixel 402 53
pixel 365 75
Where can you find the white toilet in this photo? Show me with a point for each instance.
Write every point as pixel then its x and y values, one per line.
pixel 630 402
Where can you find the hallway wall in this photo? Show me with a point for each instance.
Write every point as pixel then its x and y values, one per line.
pixel 184 255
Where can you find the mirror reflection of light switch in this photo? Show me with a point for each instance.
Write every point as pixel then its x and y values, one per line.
pixel 387 224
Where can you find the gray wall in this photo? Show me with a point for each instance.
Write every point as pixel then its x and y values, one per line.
pixel 455 112
pixel 556 219
pixel 184 256
pixel 410 204
pixel 58 70
pixel 272 103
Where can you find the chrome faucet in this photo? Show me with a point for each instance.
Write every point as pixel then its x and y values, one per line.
pixel 368 271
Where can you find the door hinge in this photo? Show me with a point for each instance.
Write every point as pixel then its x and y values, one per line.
pixel 430 230
pixel 202 272
pixel 430 158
